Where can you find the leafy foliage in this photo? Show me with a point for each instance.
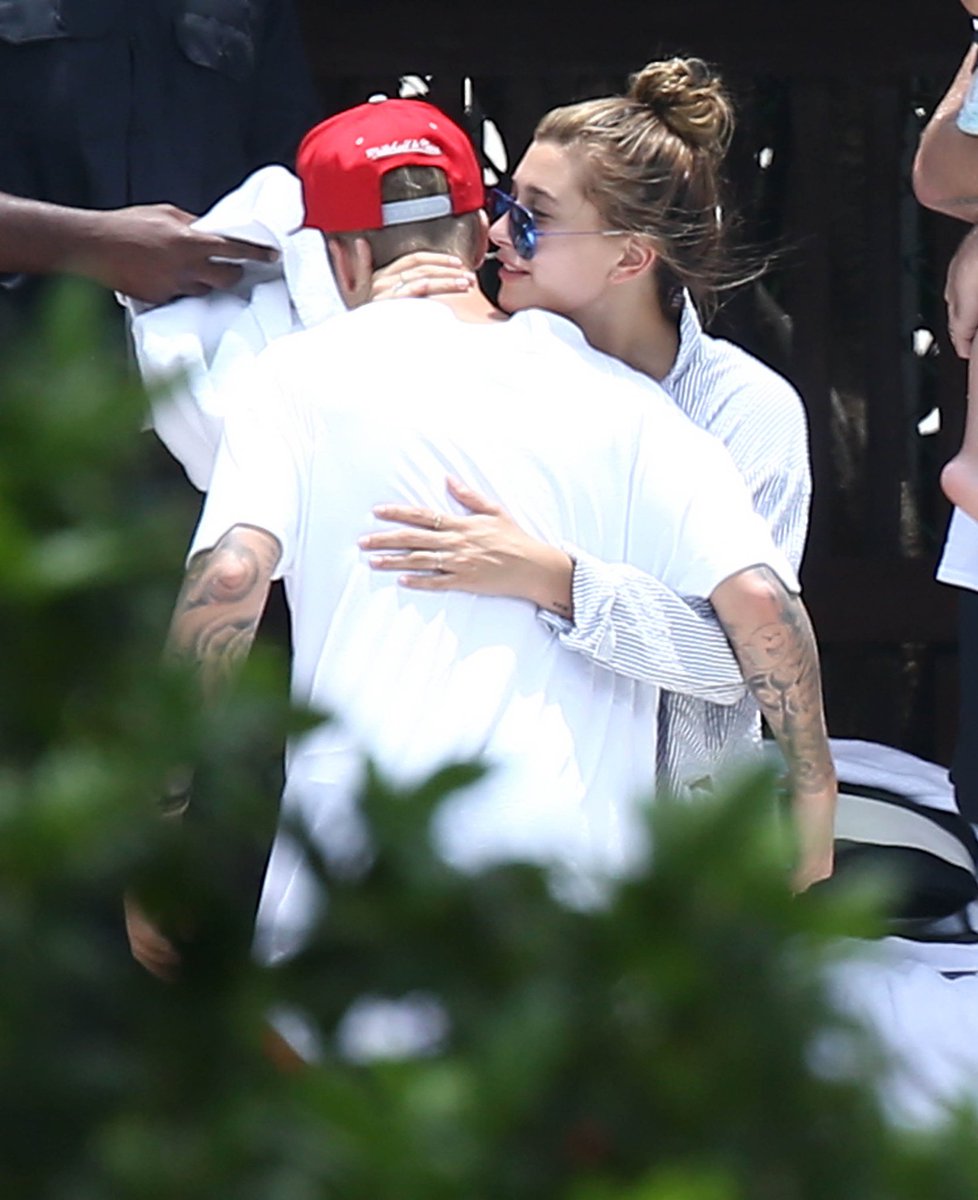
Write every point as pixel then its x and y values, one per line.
pixel 480 1036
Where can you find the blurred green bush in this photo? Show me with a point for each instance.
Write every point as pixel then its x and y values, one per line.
pixel 480 1039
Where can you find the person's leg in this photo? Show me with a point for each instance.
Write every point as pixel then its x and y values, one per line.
pixel 959 479
pixel 964 767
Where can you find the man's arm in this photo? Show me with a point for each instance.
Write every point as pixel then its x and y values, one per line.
pixel 149 251
pixel 772 638
pixel 220 606
pixel 945 170
pixel 214 624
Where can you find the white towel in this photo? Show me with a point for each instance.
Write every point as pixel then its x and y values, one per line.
pixel 189 351
pixel 871 764
pixel 926 1022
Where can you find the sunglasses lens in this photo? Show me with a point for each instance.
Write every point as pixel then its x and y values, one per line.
pixel 497 202
pixel 522 231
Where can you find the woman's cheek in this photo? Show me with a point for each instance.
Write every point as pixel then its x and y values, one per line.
pixel 515 291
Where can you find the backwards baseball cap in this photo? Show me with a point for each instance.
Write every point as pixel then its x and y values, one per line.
pixel 342 161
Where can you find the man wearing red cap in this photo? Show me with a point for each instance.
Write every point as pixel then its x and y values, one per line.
pixel 380 405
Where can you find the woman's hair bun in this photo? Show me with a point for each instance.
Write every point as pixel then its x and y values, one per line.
pixel 685 95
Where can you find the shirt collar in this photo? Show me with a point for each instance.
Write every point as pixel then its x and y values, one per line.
pixel 690 340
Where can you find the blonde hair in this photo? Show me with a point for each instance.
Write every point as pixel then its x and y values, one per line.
pixel 651 163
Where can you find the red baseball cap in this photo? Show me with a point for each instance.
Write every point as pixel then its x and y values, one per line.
pixel 342 161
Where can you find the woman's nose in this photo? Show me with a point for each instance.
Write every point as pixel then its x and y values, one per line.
pixel 499 231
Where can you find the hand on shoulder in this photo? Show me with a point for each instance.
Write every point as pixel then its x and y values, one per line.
pixel 423 273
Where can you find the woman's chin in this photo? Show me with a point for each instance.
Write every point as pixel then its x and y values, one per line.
pixel 514 291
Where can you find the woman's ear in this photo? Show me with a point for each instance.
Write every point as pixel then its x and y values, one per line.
pixel 637 257
pixel 353 266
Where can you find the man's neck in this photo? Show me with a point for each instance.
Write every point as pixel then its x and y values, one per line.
pixel 473 307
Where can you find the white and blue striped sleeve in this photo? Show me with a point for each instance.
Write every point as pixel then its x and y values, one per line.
pixel 636 626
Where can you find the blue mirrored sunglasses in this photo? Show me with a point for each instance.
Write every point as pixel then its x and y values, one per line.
pixel 523 232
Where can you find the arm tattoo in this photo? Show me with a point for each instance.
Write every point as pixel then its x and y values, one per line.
pixel 779 659
pixel 221 603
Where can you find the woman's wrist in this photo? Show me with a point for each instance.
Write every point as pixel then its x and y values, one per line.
pixel 552 582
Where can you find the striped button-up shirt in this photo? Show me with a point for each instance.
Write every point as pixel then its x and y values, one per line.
pixel 632 624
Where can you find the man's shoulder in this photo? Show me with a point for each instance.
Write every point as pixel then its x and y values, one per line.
pixel 560 338
pixel 340 334
pixel 353 347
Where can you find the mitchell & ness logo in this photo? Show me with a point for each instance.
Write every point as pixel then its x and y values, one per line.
pixel 407 146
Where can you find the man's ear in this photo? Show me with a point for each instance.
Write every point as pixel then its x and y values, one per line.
pixel 353 267
pixel 482 241
pixel 637 257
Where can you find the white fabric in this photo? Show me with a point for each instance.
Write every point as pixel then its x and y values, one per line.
pixel 414 395
pixel 192 350
pixel 959 562
pixel 881 823
pixel 871 764
pixel 927 1022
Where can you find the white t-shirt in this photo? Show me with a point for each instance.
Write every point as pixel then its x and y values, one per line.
pixel 959 562
pixel 578 449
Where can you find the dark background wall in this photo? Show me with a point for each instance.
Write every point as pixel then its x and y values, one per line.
pixel 831 100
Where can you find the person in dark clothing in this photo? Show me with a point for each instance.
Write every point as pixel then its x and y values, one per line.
pixel 149 251
pixel 106 104
pixel 124 118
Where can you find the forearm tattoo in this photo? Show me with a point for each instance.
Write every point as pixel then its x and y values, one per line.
pixel 779 659
pixel 220 605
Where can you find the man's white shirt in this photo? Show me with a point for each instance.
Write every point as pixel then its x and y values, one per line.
pixel 380 405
